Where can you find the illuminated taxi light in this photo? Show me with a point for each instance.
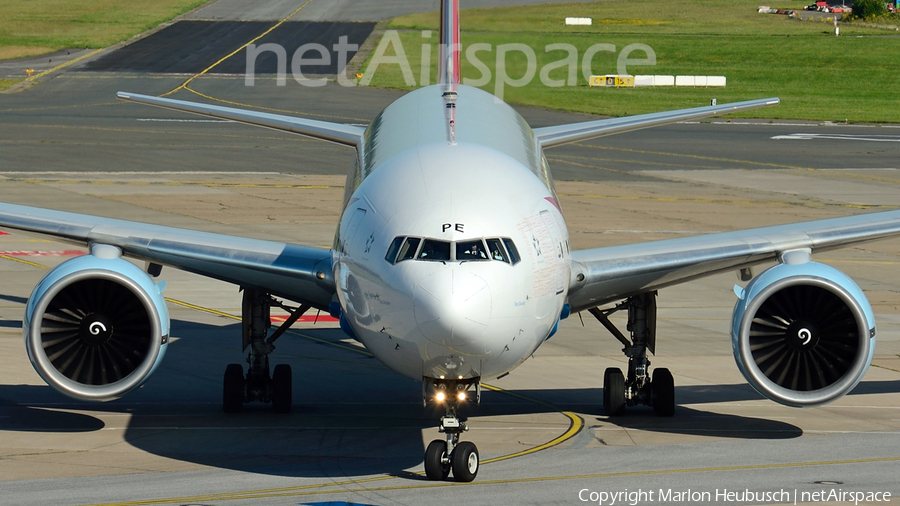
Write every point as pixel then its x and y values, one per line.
pixel 461 396
pixel 439 396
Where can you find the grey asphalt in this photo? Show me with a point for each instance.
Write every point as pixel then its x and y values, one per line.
pixel 341 10
pixel 609 471
pixel 192 46
pixel 354 419
pixel 15 68
pixel 63 123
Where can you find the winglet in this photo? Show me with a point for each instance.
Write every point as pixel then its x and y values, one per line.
pixel 346 135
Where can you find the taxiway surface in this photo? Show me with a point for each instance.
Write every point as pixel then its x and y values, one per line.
pixel 358 431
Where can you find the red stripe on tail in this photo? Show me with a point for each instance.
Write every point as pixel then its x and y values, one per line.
pixel 450 45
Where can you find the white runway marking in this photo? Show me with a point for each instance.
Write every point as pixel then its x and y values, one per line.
pixel 794 124
pixel 861 168
pixel 756 123
pixel 186 120
pixel 840 137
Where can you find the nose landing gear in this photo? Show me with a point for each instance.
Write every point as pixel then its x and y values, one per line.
pixel 451 454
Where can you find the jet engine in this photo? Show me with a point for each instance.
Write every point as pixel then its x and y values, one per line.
pixel 96 326
pixel 803 333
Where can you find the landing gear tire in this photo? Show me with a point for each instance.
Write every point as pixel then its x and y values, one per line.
pixel 233 389
pixel 435 468
pixel 282 387
pixel 465 461
pixel 663 386
pixel 614 392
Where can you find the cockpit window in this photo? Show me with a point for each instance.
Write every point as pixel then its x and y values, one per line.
pixel 437 251
pixel 513 252
pixel 500 249
pixel 408 250
pixel 496 251
pixel 393 249
pixel 470 250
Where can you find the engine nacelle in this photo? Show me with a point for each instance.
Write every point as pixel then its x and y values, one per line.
pixel 96 326
pixel 803 334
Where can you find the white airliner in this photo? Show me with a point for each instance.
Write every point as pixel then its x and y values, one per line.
pixel 451 263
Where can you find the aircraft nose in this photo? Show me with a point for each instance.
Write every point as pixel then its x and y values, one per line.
pixel 453 307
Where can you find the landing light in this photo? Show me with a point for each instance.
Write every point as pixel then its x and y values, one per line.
pixel 439 397
pixel 461 396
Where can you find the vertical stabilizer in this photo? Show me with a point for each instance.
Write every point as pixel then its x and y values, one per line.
pixel 450 47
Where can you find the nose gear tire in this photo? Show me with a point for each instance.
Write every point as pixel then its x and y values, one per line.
pixel 435 467
pixel 465 461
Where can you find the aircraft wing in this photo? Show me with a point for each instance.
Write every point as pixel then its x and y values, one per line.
pixel 616 272
pixel 574 132
pixel 338 133
pixel 299 273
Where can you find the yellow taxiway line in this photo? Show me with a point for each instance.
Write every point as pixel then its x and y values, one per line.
pixel 236 51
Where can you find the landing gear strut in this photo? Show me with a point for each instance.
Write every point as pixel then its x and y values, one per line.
pixel 258 385
pixel 451 454
pixel 637 388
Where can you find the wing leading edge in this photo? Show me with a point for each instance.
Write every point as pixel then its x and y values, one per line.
pixel 345 135
pixel 616 272
pixel 574 132
pixel 299 273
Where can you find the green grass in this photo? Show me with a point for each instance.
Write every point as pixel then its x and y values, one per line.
pixel 31 27
pixel 710 17
pixel 7 83
pixel 818 76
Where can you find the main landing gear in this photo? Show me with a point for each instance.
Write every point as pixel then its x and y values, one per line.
pixel 451 454
pixel 637 388
pixel 258 385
